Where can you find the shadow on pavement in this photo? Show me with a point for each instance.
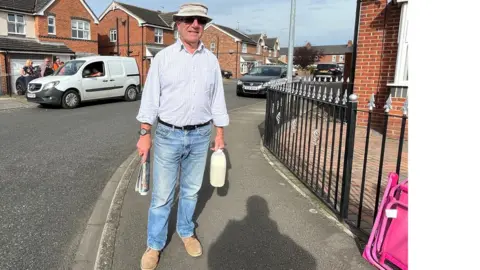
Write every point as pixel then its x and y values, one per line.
pixel 261 129
pixel 256 243
pixel 204 195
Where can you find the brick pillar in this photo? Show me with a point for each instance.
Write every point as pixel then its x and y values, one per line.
pixel 376 56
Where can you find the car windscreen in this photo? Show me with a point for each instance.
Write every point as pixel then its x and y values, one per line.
pixel 266 71
pixel 70 68
pixel 326 66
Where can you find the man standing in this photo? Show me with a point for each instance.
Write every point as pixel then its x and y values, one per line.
pixel 184 93
pixel 46 70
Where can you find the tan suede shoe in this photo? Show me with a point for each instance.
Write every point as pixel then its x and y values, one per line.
pixel 192 246
pixel 150 259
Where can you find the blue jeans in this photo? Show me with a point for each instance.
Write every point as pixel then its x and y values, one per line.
pixel 174 148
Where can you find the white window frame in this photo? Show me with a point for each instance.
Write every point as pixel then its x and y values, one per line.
pixel 16 24
pixel 334 58
pixel 51 25
pixel 244 48
pixel 342 58
pixel 259 48
pixel 213 46
pixel 113 35
pixel 401 67
pixel 243 68
pixel 81 26
pixel 269 53
pixel 159 36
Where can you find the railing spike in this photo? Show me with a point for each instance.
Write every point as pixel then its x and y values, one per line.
pixel 330 97
pixel 345 98
pixel 405 107
pixel 371 103
pixel 348 79
pixel 337 98
pixel 325 94
pixel 388 104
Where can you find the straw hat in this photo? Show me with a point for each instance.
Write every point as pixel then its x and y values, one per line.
pixel 192 9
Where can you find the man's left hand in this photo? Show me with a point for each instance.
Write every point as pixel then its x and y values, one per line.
pixel 219 143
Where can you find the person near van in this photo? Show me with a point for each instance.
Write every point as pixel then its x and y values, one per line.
pixel 46 67
pixel 27 70
pixel 57 65
pixel 185 106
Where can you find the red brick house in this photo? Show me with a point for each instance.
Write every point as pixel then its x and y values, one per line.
pixel 382 57
pixel 137 32
pixel 35 29
pixel 238 52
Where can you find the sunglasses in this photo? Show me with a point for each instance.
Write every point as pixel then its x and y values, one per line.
pixel 190 20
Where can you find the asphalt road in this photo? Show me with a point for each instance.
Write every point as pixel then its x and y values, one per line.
pixel 53 167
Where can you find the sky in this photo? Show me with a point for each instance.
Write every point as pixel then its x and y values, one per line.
pixel 320 22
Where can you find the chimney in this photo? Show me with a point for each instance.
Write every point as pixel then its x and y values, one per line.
pixel 349 43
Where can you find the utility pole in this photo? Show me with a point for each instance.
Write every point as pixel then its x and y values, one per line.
pixel 291 42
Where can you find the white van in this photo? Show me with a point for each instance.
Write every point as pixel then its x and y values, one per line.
pixel 87 78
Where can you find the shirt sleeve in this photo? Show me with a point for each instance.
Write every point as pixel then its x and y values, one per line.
pixel 150 102
pixel 219 107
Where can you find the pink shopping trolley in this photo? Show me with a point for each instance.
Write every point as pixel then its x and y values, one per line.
pixel 387 247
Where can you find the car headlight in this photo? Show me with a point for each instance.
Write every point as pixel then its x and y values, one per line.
pixel 51 85
pixel 239 82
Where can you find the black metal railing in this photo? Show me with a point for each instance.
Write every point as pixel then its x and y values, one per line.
pixel 312 128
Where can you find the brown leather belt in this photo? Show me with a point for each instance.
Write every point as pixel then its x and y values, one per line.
pixel 189 127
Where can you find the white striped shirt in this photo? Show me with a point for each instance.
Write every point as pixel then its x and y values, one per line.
pixel 183 88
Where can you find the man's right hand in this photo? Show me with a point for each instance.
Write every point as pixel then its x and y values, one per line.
pixel 143 146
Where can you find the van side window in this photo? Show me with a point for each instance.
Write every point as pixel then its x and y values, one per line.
pixel 95 69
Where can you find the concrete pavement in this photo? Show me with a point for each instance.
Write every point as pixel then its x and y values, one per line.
pixel 55 163
pixel 256 221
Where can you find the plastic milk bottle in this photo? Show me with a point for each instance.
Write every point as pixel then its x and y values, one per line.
pixel 218 168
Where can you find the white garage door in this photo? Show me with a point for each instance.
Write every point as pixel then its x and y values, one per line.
pixel 17 62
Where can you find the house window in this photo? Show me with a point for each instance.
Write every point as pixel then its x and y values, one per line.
pixel 16 24
pixel 212 46
pixel 401 68
pixel 270 53
pixel 113 35
pixel 259 49
pixel 244 47
pixel 80 29
pixel 158 36
pixel 243 68
pixel 51 25
pixel 334 58
pixel 342 58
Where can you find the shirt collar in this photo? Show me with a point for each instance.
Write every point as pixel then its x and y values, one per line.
pixel 181 46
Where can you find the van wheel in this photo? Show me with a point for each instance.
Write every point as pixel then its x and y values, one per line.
pixel 131 93
pixel 70 99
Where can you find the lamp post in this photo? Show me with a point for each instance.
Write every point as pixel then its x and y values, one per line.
pixel 291 41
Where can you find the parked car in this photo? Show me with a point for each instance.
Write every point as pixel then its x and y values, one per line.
pixel 21 83
pixel 328 72
pixel 226 74
pixel 256 81
pixel 88 78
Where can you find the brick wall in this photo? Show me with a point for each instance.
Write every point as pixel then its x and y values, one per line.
pixel 376 59
pixel 135 36
pixel 224 43
pixel 63 12
pixel 3 75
